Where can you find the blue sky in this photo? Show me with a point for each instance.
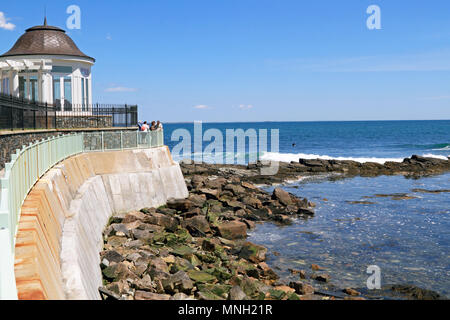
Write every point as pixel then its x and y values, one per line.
pixel 248 60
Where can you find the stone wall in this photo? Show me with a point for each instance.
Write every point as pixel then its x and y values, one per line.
pixel 62 219
pixel 9 143
pixel 74 122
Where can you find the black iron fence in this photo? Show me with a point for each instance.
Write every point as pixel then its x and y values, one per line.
pixel 97 116
pixel 23 114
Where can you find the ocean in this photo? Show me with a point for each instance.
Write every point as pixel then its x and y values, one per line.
pixel 387 221
pixel 376 141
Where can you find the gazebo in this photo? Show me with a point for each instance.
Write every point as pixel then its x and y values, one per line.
pixel 46 66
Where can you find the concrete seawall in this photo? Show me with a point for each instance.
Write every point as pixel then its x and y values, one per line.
pixel 62 219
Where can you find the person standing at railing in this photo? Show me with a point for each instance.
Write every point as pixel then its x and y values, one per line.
pixel 145 127
pixel 153 127
pixel 159 126
pixel 143 133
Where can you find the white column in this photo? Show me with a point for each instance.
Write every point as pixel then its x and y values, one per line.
pixel 14 84
pixel 61 91
pixel 85 91
pixel 47 94
pixel 49 83
pixel 40 91
pixel 89 83
pixel 1 81
pixel 76 92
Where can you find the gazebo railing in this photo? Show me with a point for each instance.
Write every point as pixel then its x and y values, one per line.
pixel 30 163
pixel 22 114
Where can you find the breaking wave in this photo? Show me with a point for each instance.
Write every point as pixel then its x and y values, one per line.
pixel 289 157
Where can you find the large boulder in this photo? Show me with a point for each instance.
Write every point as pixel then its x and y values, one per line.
pixel 200 276
pixel 145 236
pixel 162 220
pixel 198 181
pixel 111 256
pixel 181 297
pixel 197 223
pixel 415 293
pixel 183 251
pixel 121 287
pixel 236 294
pixel 215 183
pixel 313 162
pixel 158 264
pixel 134 216
pixel 178 282
pixel 321 277
pixel 249 186
pixel 302 288
pixel 144 295
pixel 252 202
pixel 197 200
pixel 210 193
pixel 282 196
pixel 235 189
pixel 253 252
pixel 179 204
pixel 117 272
pixel 306 211
pixel 120 229
pixel 233 230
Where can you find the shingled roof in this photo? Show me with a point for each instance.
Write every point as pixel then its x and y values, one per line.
pixel 45 40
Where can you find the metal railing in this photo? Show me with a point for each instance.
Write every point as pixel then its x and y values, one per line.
pixel 97 116
pixel 17 113
pixel 30 163
pixel 22 114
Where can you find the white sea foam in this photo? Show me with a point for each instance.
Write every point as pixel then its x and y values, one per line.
pixel 429 155
pixel 289 157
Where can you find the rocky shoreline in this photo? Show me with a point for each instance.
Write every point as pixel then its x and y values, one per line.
pixel 414 167
pixel 197 249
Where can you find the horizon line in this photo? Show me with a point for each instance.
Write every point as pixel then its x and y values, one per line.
pixel 301 121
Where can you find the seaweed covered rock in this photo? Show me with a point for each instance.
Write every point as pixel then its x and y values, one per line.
pixel 253 252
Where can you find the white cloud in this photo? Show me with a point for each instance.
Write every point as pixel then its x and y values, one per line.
pixel 246 106
pixel 201 107
pixel 4 24
pixel 121 89
pixel 108 37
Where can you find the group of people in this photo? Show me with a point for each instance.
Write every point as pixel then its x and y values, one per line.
pixel 145 127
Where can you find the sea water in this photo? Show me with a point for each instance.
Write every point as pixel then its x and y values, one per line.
pixel 357 223
pixel 389 222
pixel 377 141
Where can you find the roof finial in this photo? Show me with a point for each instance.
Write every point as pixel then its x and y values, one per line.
pixel 45 15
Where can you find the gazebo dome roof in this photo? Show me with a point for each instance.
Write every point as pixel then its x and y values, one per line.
pixel 45 40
